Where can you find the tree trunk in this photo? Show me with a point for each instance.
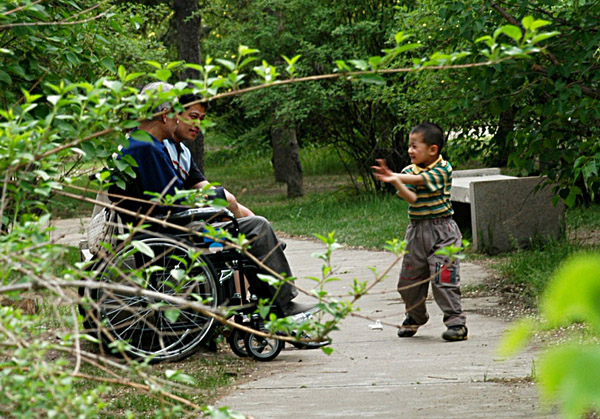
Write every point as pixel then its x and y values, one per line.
pixel 502 150
pixel 188 27
pixel 286 160
pixel 280 154
pixel 188 24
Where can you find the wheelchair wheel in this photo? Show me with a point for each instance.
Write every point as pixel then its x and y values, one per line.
pixel 236 340
pixel 261 348
pixel 152 327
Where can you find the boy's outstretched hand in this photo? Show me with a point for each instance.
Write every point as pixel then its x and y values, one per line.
pixel 383 172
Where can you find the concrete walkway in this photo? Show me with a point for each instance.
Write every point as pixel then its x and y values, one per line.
pixel 373 373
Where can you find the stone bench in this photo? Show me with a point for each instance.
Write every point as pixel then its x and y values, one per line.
pixel 505 212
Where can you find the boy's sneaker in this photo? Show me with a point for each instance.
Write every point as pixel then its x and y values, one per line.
pixel 409 328
pixel 455 333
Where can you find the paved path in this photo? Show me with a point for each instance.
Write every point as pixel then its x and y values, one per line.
pixel 373 373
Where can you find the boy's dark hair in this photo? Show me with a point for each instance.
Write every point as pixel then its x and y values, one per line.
pixel 432 133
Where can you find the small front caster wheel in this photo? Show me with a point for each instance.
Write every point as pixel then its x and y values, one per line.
pixel 263 348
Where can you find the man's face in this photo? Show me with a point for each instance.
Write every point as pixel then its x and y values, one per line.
pixel 188 127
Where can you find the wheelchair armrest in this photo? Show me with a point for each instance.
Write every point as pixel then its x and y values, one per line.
pixel 207 214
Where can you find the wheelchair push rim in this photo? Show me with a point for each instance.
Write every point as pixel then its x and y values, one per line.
pixel 154 328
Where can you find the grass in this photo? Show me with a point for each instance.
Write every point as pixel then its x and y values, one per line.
pixel 330 203
pixel 529 270
pixel 362 221
pixel 65 207
pixel 211 372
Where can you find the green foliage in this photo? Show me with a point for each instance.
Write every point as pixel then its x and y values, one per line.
pixel 564 303
pixel 568 374
pixel 364 120
pixel 78 41
pixel 541 112
pixel 34 384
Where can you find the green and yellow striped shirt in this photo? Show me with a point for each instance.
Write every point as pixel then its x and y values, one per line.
pixel 433 198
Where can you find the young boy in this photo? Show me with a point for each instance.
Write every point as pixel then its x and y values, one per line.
pixel 425 184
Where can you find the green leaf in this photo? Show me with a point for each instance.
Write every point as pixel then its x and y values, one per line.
pixel 122 73
pixel 293 60
pixel 489 41
pixel 401 37
pixel 153 64
pixel 229 64
pixel 109 64
pixel 178 274
pixel 542 37
pixel 407 47
pixel 163 75
pixel 342 66
pixel 177 375
pixel 113 85
pixel 141 135
pixel 143 247
pixel 574 192
pixel 374 62
pixel 360 64
pixel 571 375
pixel 53 99
pixel 5 77
pixel 132 76
pixel 511 31
pixel 244 50
pixel 530 24
pixel 372 79
pixel 247 61
pixel 172 314
pixel 174 64
pixel 264 311
pixel 72 59
pixel 516 337
pixel 327 350
pixel 574 292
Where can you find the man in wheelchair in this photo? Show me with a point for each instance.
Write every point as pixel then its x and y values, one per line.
pixel 164 164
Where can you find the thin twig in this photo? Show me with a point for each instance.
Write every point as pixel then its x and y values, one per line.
pixel 18 9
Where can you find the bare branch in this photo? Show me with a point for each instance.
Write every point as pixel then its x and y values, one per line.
pixel 18 9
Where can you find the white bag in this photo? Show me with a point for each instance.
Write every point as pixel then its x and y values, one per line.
pixel 103 228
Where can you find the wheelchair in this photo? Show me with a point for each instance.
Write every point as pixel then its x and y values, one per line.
pixel 139 324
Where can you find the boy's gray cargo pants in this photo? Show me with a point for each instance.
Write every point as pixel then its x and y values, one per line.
pixel 421 265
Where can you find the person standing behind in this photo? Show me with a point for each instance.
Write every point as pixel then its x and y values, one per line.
pixel 425 185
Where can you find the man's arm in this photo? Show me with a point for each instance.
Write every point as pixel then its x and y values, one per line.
pixel 238 209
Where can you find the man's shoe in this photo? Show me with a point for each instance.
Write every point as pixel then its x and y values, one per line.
pixel 409 328
pixel 456 333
